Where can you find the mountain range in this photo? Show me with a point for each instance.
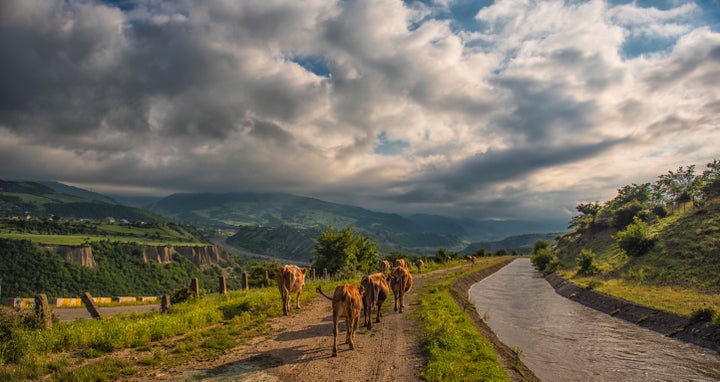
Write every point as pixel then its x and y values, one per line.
pixel 264 221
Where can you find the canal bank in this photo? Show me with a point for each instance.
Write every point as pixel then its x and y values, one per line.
pixel 700 333
pixel 509 359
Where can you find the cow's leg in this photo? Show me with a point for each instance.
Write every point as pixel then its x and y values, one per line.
pixel 297 301
pixel 367 311
pixel 379 312
pixel 286 301
pixel 335 335
pixel 402 301
pixel 352 324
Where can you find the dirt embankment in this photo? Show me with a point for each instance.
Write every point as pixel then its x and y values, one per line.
pixel 672 325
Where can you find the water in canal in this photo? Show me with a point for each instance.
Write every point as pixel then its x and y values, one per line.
pixel 561 340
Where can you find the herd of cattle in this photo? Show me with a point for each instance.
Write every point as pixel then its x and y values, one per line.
pixel 349 300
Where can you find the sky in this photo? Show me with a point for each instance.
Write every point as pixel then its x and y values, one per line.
pixel 508 109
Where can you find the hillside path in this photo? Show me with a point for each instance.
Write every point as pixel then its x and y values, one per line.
pixel 300 349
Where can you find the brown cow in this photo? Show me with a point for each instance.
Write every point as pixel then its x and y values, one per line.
pixel 401 282
pixel 419 264
pixel 401 263
pixel 375 292
pixel 470 258
pixel 346 302
pixel 290 279
pixel 385 266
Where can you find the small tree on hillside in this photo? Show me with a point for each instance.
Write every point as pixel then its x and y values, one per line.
pixel 635 239
pixel 344 251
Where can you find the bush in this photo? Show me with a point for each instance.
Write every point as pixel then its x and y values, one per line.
pixel 703 314
pixel 635 240
pixel 586 262
pixel 543 259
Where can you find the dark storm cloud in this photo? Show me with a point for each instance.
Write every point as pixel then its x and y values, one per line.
pixel 493 167
pixel 539 112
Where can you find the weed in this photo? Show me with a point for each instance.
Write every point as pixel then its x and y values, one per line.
pixel 703 314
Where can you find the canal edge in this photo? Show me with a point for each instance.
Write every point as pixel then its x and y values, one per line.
pixel 516 370
pixel 700 333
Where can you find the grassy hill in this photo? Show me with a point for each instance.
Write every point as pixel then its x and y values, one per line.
pixel 519 243
pixel 307 216
pixel 35 199
pixel 684 253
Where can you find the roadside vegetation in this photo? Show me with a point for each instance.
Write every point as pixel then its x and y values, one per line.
pixel 455 350
pixel 654 244
pixel 120 346
pixel 205 327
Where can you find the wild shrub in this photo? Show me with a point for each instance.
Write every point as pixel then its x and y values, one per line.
pixel 544 260
pixel 703 314
pixel 635 239
pixel 586 262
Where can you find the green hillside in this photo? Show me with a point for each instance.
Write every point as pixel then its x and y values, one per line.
pixel 37 200
pixel 268 211
pixel 662 234
pixel 518 243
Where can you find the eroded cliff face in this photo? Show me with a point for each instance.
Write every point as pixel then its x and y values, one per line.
pixel 201 256
pixel 81 255
pixel 162 255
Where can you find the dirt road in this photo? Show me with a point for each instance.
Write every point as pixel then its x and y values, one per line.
pixel 300 349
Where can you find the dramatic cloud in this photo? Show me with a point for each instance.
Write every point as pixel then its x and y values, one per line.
pixel 505 109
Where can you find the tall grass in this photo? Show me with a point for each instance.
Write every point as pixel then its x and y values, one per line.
pixel 204 326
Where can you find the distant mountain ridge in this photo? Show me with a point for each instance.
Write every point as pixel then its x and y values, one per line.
pixel 256 217
pixel 18 198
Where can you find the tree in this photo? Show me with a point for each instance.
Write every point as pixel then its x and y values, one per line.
pixel 588 213
pixel 678 187
pixel 344 251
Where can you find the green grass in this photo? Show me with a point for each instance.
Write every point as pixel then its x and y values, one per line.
pixel 76 240
pixel 455 349
pixel 675 299
pixel 84 349
pixel 680 274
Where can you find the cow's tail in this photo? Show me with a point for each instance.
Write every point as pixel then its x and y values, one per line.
pixel 323 293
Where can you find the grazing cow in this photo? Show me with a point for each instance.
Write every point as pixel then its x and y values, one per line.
pixel 346 302
pixel 290 279
pixel 419 264
pixel 401 282
pixel 448 259
pixel 401 263
pixel 385 266
pixel 470 258
pixel 375 292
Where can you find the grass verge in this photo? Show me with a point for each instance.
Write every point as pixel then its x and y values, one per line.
pixel 456 351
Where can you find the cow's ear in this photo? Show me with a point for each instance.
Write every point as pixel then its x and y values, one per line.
pixel 304 270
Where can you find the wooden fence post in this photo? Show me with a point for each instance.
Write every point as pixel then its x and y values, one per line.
pixel 314 276
pixel 267 278
pixel 195 287
pixel 325 274
pixel 91 306
pixel 165 304
pixel 245 281
pixel 42 310
pixel 223 285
